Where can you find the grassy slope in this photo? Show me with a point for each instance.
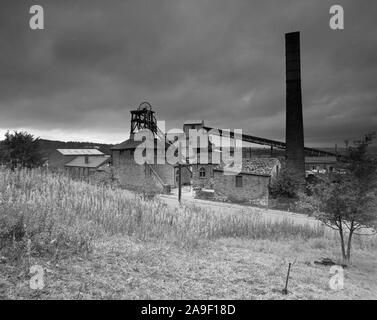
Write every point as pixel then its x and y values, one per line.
pixel 124 268
pixel 147 250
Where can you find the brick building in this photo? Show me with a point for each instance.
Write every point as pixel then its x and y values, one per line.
pixel 203 169
pixel 59 157
pixel 86 166
pixel 132 175
pixel 251 185
pixel 202 155
pixel 79 163
pixel 315 165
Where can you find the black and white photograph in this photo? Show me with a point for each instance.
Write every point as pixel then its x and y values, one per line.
pixel 188 150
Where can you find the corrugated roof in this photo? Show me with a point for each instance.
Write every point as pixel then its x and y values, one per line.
pixel 93 162
pixel 257 166
pixel 324 160
pixel 194 122
pixel 81 152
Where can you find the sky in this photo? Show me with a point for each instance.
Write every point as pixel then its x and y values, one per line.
pixel 218 60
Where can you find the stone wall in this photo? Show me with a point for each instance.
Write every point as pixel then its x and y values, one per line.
pixel 275 172
pixel 185 176
pixel 254 188
pixel 197 181
pixel 131 175
pixel 80 172
pixel 165 172
pixel 128 173
pixel 57 161
pixel 103 177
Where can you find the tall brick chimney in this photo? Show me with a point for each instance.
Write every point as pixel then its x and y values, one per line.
pixel 294 130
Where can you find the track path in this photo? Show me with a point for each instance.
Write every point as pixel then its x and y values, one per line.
pixel 274 215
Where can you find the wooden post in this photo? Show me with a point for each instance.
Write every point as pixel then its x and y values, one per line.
pixel 179 182
pixel 285 290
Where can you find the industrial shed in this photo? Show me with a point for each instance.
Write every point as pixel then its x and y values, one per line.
pixel 85 166
pixel 251 185
pixel 59 157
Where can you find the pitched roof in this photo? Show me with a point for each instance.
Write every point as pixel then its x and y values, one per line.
pixel 133 144
pixel 255 166
pixel 79 152
pixel 93 162
pixel 128 144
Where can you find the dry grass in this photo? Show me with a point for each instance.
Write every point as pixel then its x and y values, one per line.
pixel 124 268
pixel 55 214
pixel 96 242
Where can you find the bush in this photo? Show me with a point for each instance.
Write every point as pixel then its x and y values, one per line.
pixel 284 186
pixel 204 195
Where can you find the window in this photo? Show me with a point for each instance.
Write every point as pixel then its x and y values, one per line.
pixel 239 181
pixel 202 172
pixel 86 159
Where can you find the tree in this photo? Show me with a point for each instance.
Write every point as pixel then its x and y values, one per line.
pixel 285 186
pixel 20 149
pixel 347 201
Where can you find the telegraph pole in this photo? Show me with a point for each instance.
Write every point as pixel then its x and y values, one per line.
pixel 179 182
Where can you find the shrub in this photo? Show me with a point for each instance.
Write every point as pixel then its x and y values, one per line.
pixel 284 186
pixel 205 195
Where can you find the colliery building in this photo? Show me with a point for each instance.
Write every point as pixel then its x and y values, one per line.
pixel 257 173
pixel 78 163
pixel 250 185
pixel 132 175
pixel 209 179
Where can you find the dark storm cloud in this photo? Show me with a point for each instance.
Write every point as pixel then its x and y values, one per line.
pixel 218 60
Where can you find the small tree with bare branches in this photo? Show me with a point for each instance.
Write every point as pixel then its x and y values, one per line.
pixel 347 202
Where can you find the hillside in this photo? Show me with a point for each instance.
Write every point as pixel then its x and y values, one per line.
pixel 47 146
pixel 102 243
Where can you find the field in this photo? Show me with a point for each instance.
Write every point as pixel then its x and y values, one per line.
pixel 95 242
